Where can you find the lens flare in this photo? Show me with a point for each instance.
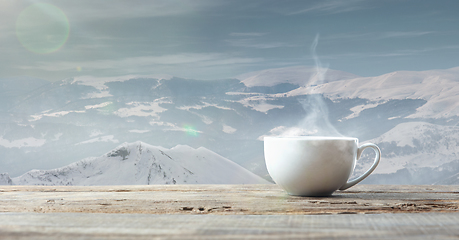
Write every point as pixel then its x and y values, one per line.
pixel 108 109
pixel 190 130
pixel 42 28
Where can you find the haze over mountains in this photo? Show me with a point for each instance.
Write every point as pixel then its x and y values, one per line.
pixel 412 116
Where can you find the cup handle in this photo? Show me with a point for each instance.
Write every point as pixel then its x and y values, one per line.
pixel 369 171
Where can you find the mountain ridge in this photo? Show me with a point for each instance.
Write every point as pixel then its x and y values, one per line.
pixel 67 121
pixel 144 164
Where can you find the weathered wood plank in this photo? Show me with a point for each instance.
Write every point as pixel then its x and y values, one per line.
pixel 145 226
pixel 226 200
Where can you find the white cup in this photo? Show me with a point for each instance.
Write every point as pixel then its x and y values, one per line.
pixel 313 165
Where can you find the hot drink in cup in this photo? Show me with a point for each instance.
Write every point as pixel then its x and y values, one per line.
pixel 313 165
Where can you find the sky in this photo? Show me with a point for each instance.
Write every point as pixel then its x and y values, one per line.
pixel 220 39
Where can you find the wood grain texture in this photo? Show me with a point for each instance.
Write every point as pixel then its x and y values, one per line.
pixel 226 200
pixel 147 226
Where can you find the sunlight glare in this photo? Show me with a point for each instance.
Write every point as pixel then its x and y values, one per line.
pixel 42 28
pixel 190 130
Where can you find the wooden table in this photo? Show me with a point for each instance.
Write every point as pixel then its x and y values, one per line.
pixel 227 212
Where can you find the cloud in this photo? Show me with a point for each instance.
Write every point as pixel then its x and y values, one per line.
pixel 247 34
pixel 332 7
pixel 89 9
pixel 375 35
pixel 397 53
pixel 196 60
pixel 404 34
pixel 253 43
pixel 253 40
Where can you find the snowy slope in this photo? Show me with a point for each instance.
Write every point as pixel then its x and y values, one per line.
pixel 416 145
pixel 298 75
pixel 140 163
pixel 439 88
pixel 5 179
pixel 452 180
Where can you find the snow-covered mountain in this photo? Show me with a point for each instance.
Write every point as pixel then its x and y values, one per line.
pixel 143 164
pixel 413 116
pixel 416 152
pixel 439 88
pixel 298 75
pixel 5 179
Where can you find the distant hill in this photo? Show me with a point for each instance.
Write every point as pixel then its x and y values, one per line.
pixel 143 164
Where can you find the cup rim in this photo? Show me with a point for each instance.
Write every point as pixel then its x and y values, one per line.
pixel 310 138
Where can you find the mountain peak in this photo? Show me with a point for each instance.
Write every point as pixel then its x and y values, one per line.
pixel 297 75
pixel 5 179
pixel 141 163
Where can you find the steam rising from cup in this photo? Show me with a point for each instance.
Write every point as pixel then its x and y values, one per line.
pixel 319 77
pixel 316 122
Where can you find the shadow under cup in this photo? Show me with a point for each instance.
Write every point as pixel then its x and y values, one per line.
pixel 314 166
